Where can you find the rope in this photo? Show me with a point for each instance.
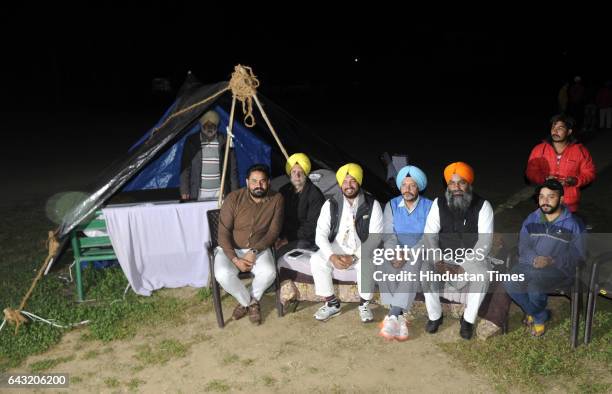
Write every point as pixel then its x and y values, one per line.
pixel 265 116
pixel 185 110
pixel 15 315
pixel 244 86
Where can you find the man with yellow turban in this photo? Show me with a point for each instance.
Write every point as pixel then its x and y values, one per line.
pixel 459 221
pixel 346 222
pixel 303 202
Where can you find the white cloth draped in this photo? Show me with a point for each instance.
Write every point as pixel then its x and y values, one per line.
pixel 161 245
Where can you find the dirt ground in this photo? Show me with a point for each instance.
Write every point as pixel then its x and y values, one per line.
pixel 290 354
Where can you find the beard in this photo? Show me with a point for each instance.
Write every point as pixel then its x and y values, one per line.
pixel 548 209
pixel 208 135
pixel 258 192
pixel 460 201
pixel 350 192
pixel 409 197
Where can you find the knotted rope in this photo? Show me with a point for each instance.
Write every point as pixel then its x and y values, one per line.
pixel 244 86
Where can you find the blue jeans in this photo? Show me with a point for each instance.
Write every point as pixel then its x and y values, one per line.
pixel 531 294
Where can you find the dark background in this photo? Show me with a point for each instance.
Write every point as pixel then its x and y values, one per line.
pixel 76 87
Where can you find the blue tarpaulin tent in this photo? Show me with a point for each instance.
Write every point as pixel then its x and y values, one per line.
pixel 164 172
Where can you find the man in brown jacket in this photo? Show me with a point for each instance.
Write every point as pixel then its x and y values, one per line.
pixel 251 220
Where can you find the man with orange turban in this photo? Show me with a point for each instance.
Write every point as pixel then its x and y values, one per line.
pixel 303 202
pixel 347 221
pixel 459 221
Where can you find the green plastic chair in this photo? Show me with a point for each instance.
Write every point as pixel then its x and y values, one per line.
pixel 90 249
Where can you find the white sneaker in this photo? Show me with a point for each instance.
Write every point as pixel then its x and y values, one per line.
pixel 326 312
pixel 402 334
pixel 389 328
pixel 365 314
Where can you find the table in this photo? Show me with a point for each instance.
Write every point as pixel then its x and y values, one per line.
pixel 161 245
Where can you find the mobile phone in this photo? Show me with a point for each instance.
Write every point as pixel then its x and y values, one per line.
pixel 295 254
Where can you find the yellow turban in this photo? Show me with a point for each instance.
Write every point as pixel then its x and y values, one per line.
pixel 211 117
pixel 351 169
pixel 460 168
pixel 298 158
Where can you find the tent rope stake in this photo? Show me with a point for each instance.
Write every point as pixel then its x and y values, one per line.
pixel 16 316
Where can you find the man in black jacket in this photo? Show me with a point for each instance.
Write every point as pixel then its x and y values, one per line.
pixel 202 162
pixel 303 202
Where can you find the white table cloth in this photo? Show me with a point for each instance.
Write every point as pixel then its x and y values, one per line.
pixel 161 245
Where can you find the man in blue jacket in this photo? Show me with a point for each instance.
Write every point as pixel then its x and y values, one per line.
pixel 550 246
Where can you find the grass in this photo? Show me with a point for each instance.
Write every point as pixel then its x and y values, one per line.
pixel 133 384
pixel 47 364
pixel 111 382
pixel 165 351
pixel 538 364
pixel 111 316
pixel 91 355
pixel 217 386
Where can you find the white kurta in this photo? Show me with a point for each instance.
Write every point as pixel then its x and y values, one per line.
pixel 346 242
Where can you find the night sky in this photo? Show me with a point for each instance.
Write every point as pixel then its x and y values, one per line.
pixel 107 56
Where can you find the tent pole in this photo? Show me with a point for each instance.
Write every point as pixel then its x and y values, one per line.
pixel 228 142
pixel 265 116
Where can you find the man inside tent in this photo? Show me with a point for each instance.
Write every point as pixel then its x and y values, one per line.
pixel 250 221
pixel 346 222
pixel 404 222
pixel 459 221
pixel 202 162
pixel 303 202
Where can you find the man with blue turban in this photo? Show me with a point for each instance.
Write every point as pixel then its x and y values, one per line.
pixel 404 222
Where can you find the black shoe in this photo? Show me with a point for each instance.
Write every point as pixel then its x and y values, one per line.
pixel 432 325
pixel 467 329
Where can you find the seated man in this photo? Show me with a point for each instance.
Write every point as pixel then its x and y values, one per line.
pixel 251 219
pixel 404 221
pixel 459 220
pixel 202 162
pixel 346 221
pixel 303 202
pixel 550 246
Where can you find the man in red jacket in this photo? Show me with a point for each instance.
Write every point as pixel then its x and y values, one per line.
pixel 560 157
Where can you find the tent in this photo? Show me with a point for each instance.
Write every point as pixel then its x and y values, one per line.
pixel 153 162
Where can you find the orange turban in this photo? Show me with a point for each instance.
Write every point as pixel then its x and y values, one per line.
pixel 460 168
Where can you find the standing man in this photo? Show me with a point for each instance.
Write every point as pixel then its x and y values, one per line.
pixel 303 202
pixel 346 222
pixel 250 222
pixel 604 104
pixel 459 220
pixel 550 246
pixel 560 157
pixel 202 162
